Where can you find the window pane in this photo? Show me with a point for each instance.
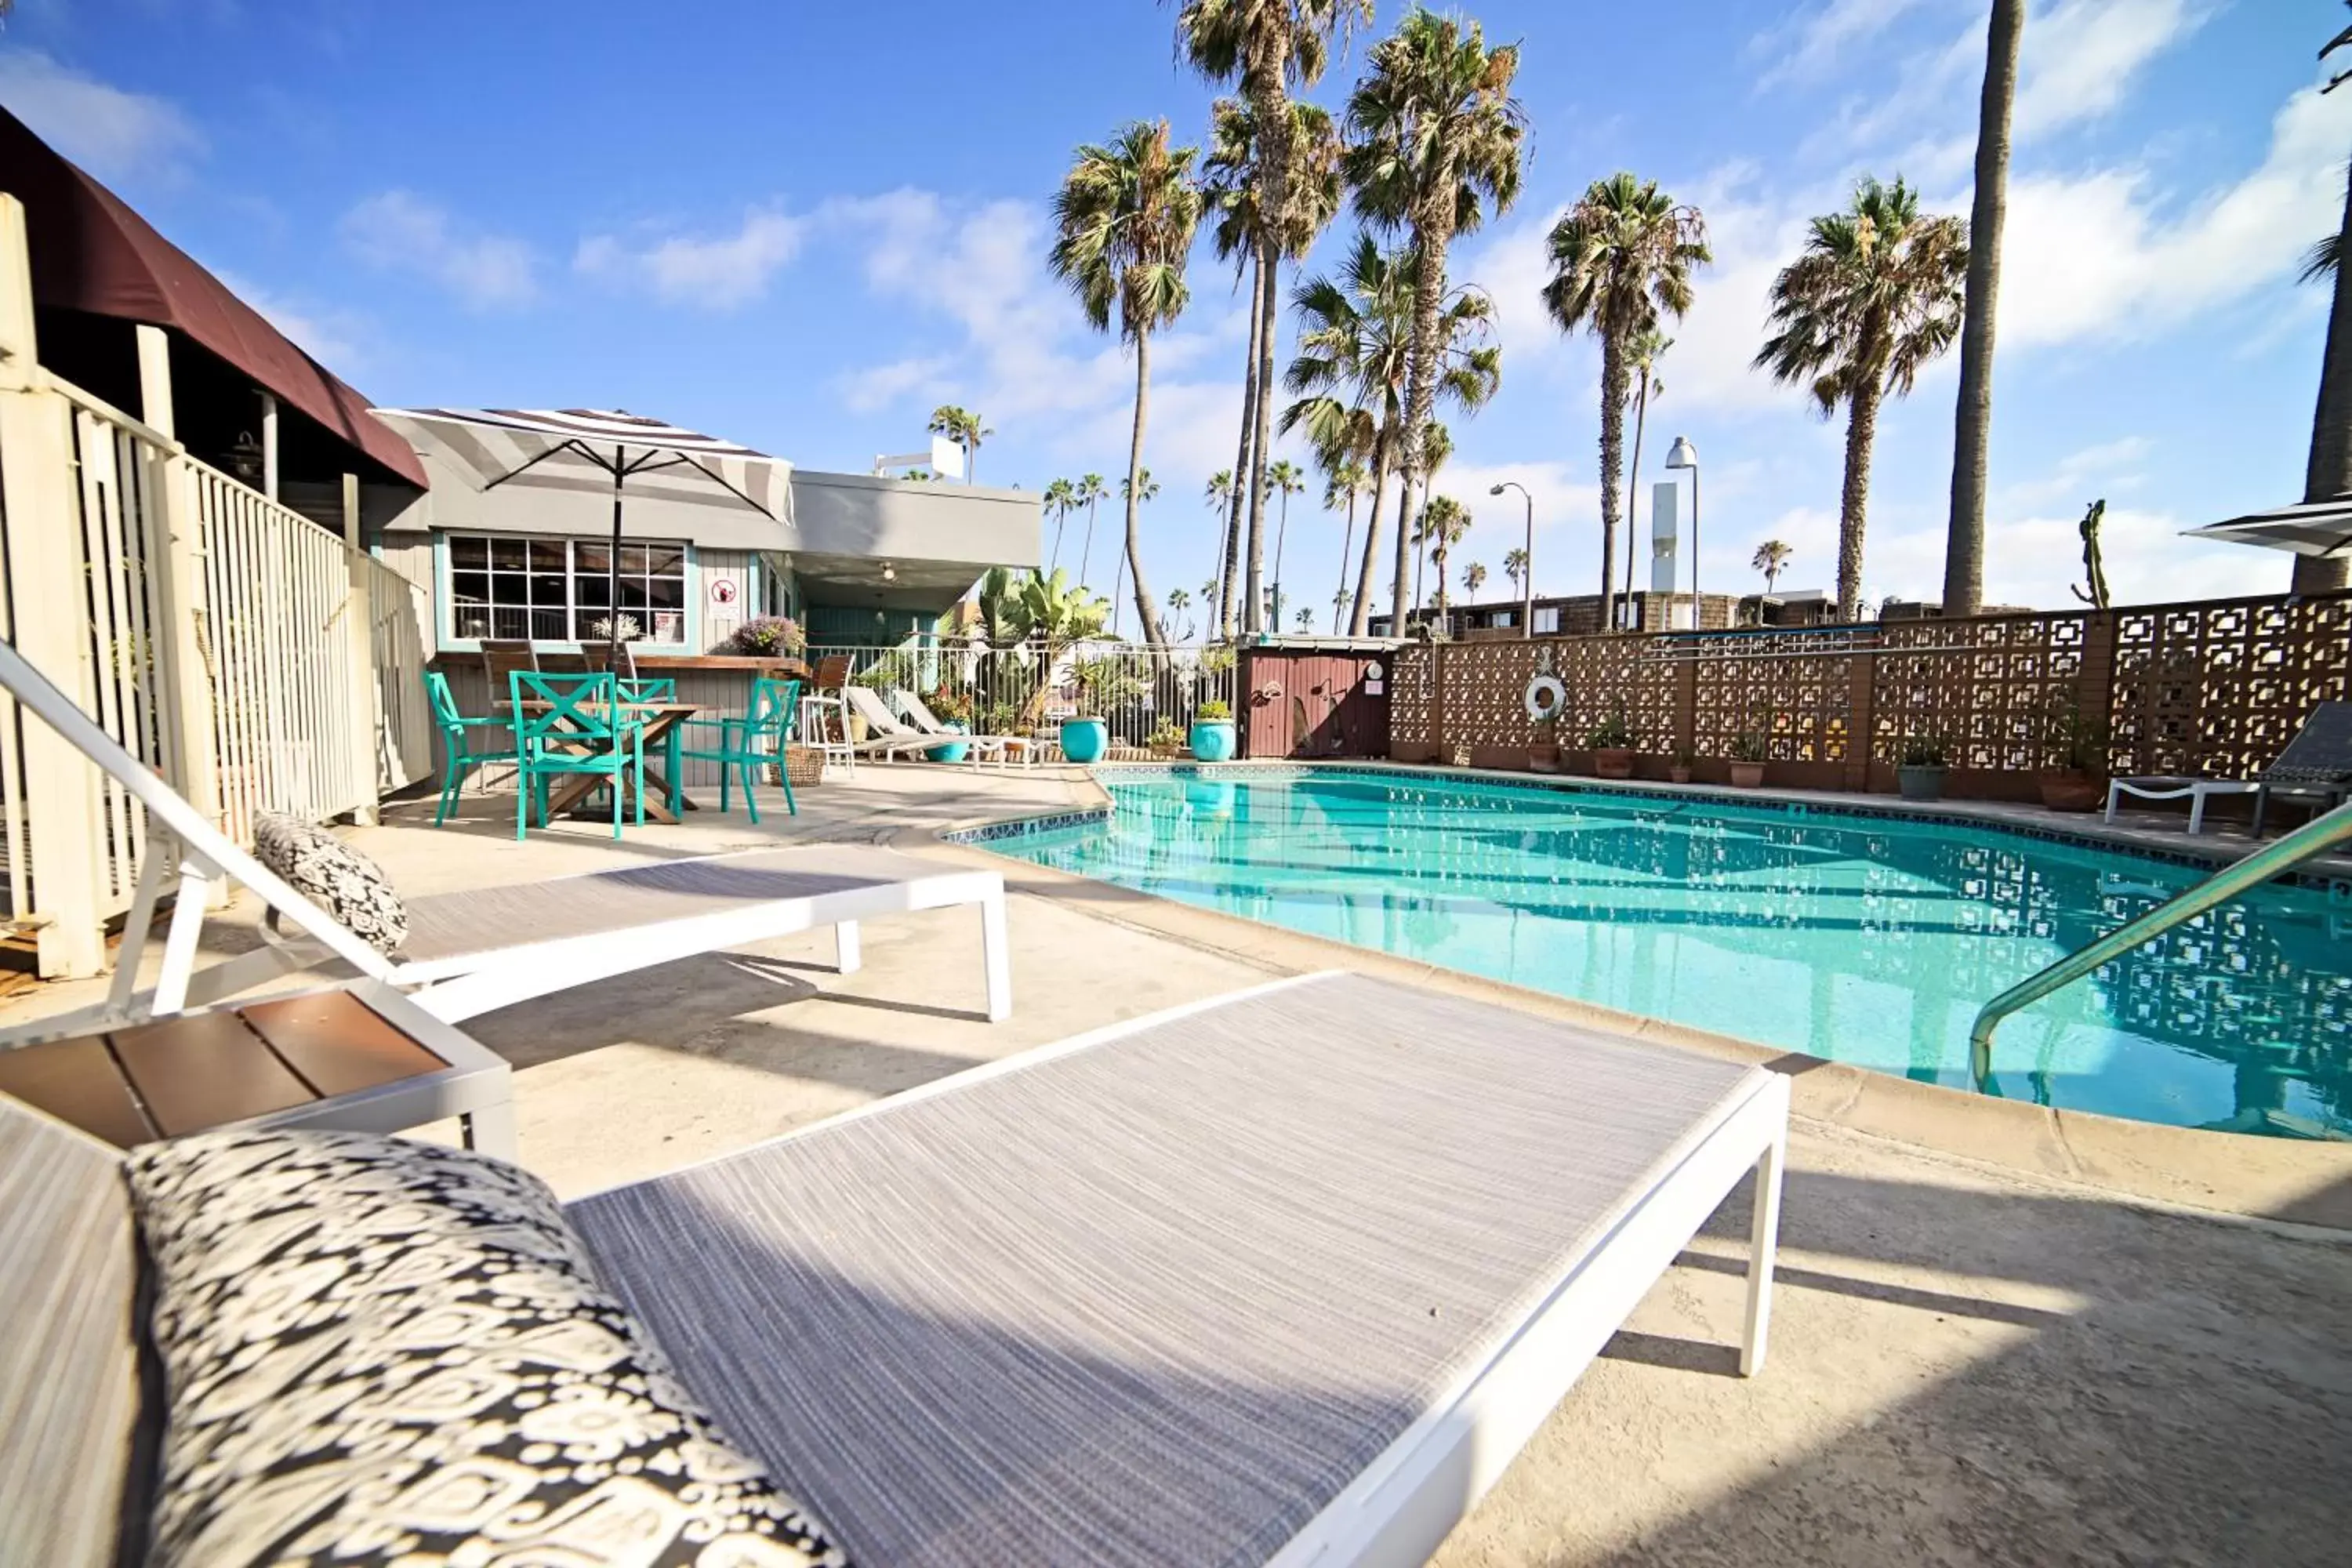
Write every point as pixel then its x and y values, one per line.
pixel 510 588
pixel 472 622
pixel 633 560
pixel 547 625
pixel 667 592
pixel 547 555
pixel 547 592
pixel 669 625
pixel 633 595
pixel 590 593
pixel 665 559
pixel 507 555
pixel 588 558
pixel 468 553
pixel 469 588
pixel 508 624
pixel 583 626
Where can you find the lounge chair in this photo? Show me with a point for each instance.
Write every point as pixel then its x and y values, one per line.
pixel 2317 764
pixel 887 735
pixel 1001 748
pixel 1157 1294
pixel 471 951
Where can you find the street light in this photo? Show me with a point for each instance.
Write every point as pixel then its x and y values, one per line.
pixel 1685 456
pixel 1527 566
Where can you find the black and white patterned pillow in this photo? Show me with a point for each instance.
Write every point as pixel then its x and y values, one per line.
pixel 334 876
pixel 379 1351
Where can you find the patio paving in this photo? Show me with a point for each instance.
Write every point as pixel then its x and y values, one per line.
pixel 1970 1363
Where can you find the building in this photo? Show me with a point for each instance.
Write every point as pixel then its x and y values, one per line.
pixel 1574 616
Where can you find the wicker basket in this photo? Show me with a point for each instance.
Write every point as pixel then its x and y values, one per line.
pixel 805 765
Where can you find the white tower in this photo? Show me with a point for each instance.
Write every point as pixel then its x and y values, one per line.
pixel 1666 503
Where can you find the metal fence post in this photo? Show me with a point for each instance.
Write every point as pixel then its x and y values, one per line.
pixel 369 739
pixel 40 508
pixel 184 691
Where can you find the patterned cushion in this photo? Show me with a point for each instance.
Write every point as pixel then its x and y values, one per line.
pixel 333 875
pixel 381 1351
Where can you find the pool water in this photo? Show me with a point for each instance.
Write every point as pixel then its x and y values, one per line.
pixel 1864 940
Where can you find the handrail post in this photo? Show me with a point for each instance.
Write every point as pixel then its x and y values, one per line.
pixel 2314 839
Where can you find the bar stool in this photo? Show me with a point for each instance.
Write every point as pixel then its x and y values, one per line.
pixel 829 736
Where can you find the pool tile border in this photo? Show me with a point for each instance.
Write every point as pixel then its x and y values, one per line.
pixel 2337 888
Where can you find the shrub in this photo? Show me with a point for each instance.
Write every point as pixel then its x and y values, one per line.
pixel 1923 751
pixel 1612 733
pixel 1748 746
pixel 950 704
pixel 1164 736
pixel 1214 708
pixel 768 636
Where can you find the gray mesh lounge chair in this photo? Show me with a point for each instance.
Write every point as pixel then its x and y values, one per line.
pixel 1000 748
pixel 2317 764
pixel 469 952
pixel 887 735
pixel 1287 1277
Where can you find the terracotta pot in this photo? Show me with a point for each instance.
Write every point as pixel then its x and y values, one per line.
pixel 1543 759
pixel 1677 772
pixel 1746 775
pixel 1613 761
pixel 2071 789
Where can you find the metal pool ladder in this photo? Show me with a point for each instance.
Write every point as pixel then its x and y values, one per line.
pixel 2314 839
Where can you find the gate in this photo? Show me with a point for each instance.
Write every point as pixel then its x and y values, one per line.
pixel 1317 702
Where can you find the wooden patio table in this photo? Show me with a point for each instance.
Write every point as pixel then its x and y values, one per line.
pixel 658 720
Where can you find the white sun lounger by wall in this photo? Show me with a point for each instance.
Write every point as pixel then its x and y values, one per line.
pixel 471 951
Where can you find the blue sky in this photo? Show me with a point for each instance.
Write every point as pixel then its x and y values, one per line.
pixel 803 227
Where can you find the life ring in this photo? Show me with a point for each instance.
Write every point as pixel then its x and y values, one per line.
pixel 1547 695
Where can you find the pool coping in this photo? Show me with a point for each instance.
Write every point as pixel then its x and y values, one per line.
pixel 2296 1186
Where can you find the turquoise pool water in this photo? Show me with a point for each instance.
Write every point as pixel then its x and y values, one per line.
pixel 1864 940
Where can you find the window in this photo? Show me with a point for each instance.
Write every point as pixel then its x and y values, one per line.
pixel 1547 618
pixel 556 590
pixel 1504 618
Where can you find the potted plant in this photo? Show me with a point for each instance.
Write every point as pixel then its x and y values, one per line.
pixel 1165 740
pixel 2076 780
pixel 1213 736
pixel 1612 745
pixel 1547 697
pixel 1678 769
pixel 1920 770
pixel 1747 758
pixel 951 706
pixel 1103 684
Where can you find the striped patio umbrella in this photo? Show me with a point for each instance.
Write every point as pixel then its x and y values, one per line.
pixel 2313 527
pixel 574 448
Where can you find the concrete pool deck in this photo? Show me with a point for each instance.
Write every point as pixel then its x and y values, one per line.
pixel 1992 1352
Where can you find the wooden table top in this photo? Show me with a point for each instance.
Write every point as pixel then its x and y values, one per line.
pixel 178 1075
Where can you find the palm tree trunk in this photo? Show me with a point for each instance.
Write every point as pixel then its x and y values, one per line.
pixel 1613 467
pixel 1972 419
pixel 1240 496
pixel 1432 231
pixel 1060 518
pixel 1861 431
pixel 1360 614
pixel 1147 616
pixel 1270 270
pixel 1634 480
pixel 2329 472
pixel 1346 544
pixel 1087 553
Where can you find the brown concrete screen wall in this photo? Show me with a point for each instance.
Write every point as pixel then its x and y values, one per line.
pixel 2214 689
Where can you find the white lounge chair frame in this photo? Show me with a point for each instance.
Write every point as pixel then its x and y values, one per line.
pixel 889 737
pixel 2170 787
pixel 1004 748
pixel 450 988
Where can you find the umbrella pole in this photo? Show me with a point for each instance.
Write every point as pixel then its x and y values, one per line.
pixel 612 570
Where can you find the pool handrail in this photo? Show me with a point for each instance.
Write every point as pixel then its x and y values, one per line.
pixel 2314 839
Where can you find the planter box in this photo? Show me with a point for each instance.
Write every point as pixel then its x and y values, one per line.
pixel 1613 761
pixel 1920 782
pixel 1746 775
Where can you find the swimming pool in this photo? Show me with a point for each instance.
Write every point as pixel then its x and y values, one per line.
pixel 1863 939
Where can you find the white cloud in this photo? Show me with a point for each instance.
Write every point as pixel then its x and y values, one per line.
pixel 1806 44
pixel 714 272
pixel 2090 255
pixel 2079 62
pixel 2090 473
pixel 400 231
pixel 864 391
pixel 113 133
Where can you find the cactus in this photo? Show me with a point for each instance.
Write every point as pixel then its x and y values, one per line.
pixel 2093 566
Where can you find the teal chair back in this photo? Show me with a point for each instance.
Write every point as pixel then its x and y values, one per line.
pixel 445 704
pixel 647 689
pixel 774 705
pixel 578 707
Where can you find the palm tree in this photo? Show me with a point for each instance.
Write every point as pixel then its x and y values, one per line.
pixel 1219 493
pixel 1136 490
pixel 1339 606
pixel 1643 356
pixel 1285 478
pixel 1875 295
pixel 1061 498
pixel 1123 223
pixel 1771 558
pixel 1436 446
pixel 1435 143
pixel 1621 256
pixel 1088 492
pixel 1178 602
pixel 1972 416
pixel 962 427
pixel 1266 47
pixel 1474 577
pixel 2327 472
pixel 1444 521
pixel 1515 567
pixel 1353 364
pixel 1344 480
pixel 1306 621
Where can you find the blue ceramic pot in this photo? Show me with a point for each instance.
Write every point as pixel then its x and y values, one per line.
pixel 950 754
pixel 1085 739
pixel 1212 739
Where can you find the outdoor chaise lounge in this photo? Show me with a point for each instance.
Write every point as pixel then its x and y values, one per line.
pixel 1005 749
pixel 2317 763
pixel 888 736
pixel 1287 1277
pixel 468 953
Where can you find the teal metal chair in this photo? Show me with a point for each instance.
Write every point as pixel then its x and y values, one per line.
pixel 577 728
pixel 659 689
pixel 463 749
pixel 747 745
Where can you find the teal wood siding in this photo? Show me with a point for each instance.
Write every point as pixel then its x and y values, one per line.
pixel 842 627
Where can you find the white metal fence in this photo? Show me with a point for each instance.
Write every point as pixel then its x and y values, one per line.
pixel 1144 692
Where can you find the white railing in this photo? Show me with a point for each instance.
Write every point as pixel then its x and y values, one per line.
pixel 1140 690
pixel 399 647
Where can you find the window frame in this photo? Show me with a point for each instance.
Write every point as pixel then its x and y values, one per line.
pixel 446 570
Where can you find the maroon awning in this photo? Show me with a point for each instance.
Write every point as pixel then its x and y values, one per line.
pixel 90 252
